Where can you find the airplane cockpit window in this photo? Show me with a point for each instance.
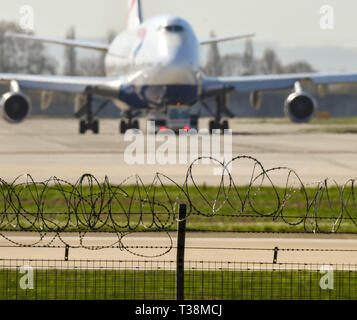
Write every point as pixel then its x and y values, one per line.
pixel 173 28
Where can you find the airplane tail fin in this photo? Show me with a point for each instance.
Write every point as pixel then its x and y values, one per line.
pixel 135 16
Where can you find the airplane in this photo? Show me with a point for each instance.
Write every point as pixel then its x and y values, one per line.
pixel 154 64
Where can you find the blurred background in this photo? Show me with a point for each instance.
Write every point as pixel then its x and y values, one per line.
pixel 289 40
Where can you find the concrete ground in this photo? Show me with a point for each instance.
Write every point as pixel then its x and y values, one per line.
pixel 210 247
pixel 53 147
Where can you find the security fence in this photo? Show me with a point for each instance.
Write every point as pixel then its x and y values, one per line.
pixel 148 280
pixel 45 211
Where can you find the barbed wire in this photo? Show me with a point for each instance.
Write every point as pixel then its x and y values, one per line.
pixel 55 206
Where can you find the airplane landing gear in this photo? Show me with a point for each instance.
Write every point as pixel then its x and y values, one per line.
pixel 130 124
pixel 213 125
pixel 84 126
pixel 221 107
pixel 89 123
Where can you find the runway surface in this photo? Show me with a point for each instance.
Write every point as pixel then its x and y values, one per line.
pixel 210 247
pixel 53 147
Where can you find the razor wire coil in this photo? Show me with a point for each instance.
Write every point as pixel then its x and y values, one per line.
pixel 53 207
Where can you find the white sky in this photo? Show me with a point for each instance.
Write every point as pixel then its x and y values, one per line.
pixel 286 22
pixel 292 27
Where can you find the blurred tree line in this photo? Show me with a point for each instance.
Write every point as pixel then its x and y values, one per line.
pixel 247 64
pixel 22 56
pixel 85 66
pixel 18 56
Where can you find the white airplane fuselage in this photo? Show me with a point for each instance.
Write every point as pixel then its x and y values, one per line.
pixel 160 60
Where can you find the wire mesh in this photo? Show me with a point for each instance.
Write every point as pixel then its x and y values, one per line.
pixel 155 280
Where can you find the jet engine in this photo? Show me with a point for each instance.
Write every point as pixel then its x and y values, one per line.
pixel 300 106
pixel 15 105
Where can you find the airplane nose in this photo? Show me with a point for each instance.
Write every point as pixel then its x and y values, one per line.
pixel 173 56
pixel 178 50
pixel 176 55
pixel 174 40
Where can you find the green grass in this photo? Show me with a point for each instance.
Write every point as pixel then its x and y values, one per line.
pixel 314 121
pixel 258 209
pixel 342 130
pixel 330 121
pixel 160 285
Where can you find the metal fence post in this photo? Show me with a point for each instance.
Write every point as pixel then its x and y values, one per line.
pixel 66 252
pixel 275 259
pixel 180 259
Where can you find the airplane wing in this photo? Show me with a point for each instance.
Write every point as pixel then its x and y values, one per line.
pixel 273 82
pixel 63 83
pixel 300 105
pixel 72 43
pixel 105 47
pixel 223 39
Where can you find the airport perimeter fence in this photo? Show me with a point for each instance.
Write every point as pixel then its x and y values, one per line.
pixel 156 280
pixel 45 213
